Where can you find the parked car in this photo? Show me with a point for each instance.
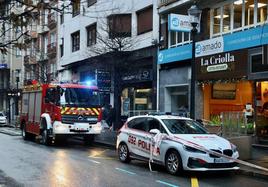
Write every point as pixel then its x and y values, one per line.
pixel 135 138
pixel 3 119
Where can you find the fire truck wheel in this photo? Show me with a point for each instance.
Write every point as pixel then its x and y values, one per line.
pixel 89 139
pixel 24 134
pixel 46 140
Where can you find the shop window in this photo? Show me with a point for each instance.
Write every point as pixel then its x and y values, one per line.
pixel 258 63
pixel 224 91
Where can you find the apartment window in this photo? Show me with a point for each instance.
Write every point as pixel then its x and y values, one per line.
pixel 76 7
pixel 145 20
pixel 238 15
pixel 179 38
pixel 75 41
pixel 61 50
pixel 91 34
pixel 91 2
pixel 119 25
pixel 62 18
pixel 238 8
pixel 18 52
pixel 52 39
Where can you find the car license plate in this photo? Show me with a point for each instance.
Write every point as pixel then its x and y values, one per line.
pixel 221 160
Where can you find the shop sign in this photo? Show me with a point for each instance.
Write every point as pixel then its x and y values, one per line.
pixel 209 47
pixel 178 22
pixel 240 40
pixel 137 76
pixel 222 65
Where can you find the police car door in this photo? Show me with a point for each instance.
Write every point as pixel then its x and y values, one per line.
pixel 155 124
pixel 138 133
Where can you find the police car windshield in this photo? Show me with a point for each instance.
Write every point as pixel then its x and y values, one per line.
pixel 80 97
pixel 179 126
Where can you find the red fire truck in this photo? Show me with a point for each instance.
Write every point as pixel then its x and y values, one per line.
pixel 58 111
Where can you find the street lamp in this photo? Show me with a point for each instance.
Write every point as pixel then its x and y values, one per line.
pixel 194 15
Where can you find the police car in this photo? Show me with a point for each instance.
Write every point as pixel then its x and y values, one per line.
pixel 134 141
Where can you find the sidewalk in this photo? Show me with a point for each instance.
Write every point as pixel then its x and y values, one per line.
pixel 9 130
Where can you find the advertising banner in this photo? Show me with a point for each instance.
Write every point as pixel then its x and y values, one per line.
pixel 240 40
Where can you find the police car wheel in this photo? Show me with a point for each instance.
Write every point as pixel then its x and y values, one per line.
pixel 173 162
pixel 123 153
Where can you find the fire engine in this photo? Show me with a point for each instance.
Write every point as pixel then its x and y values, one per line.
pixel 58 111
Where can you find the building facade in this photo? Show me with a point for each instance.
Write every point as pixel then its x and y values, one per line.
pixel 231 59
pixel 112 43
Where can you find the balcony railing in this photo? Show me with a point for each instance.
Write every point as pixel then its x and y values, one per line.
pixel 41 56
pixel 165 2
pixel 29 60
pixel 42 29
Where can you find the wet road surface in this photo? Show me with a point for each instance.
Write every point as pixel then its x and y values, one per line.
pixel 73 164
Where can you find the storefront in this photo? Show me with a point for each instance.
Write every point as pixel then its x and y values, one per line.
pixel 223 80
pixel 137 94
pixel 174 87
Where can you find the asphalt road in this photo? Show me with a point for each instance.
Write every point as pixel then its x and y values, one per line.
pixel 26 163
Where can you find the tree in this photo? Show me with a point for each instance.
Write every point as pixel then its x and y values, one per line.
pixel 11 19
pixel 114 43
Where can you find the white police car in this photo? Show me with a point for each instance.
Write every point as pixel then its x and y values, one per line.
pixel 135 138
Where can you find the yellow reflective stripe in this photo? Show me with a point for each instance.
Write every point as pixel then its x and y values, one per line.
pixel 96 111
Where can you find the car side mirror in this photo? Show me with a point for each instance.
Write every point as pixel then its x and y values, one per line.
pixel 154 131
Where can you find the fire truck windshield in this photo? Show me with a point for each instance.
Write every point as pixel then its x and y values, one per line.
pixel 79 97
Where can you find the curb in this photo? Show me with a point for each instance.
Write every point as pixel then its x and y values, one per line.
pixel 252 174
pixel 10 134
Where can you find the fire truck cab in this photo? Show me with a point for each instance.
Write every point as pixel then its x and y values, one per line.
pixel 58 111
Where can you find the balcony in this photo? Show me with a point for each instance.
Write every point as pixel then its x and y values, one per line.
pixel 42 29
pixel 165 2
pixel 29 60
pixel 30 35
pixel 52 20
pixel 52 50
pixel 41 56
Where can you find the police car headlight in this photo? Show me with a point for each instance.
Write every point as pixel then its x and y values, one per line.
pixel 191 149
pixel 234 148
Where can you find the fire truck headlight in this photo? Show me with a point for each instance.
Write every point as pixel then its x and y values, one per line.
pixel 60 127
